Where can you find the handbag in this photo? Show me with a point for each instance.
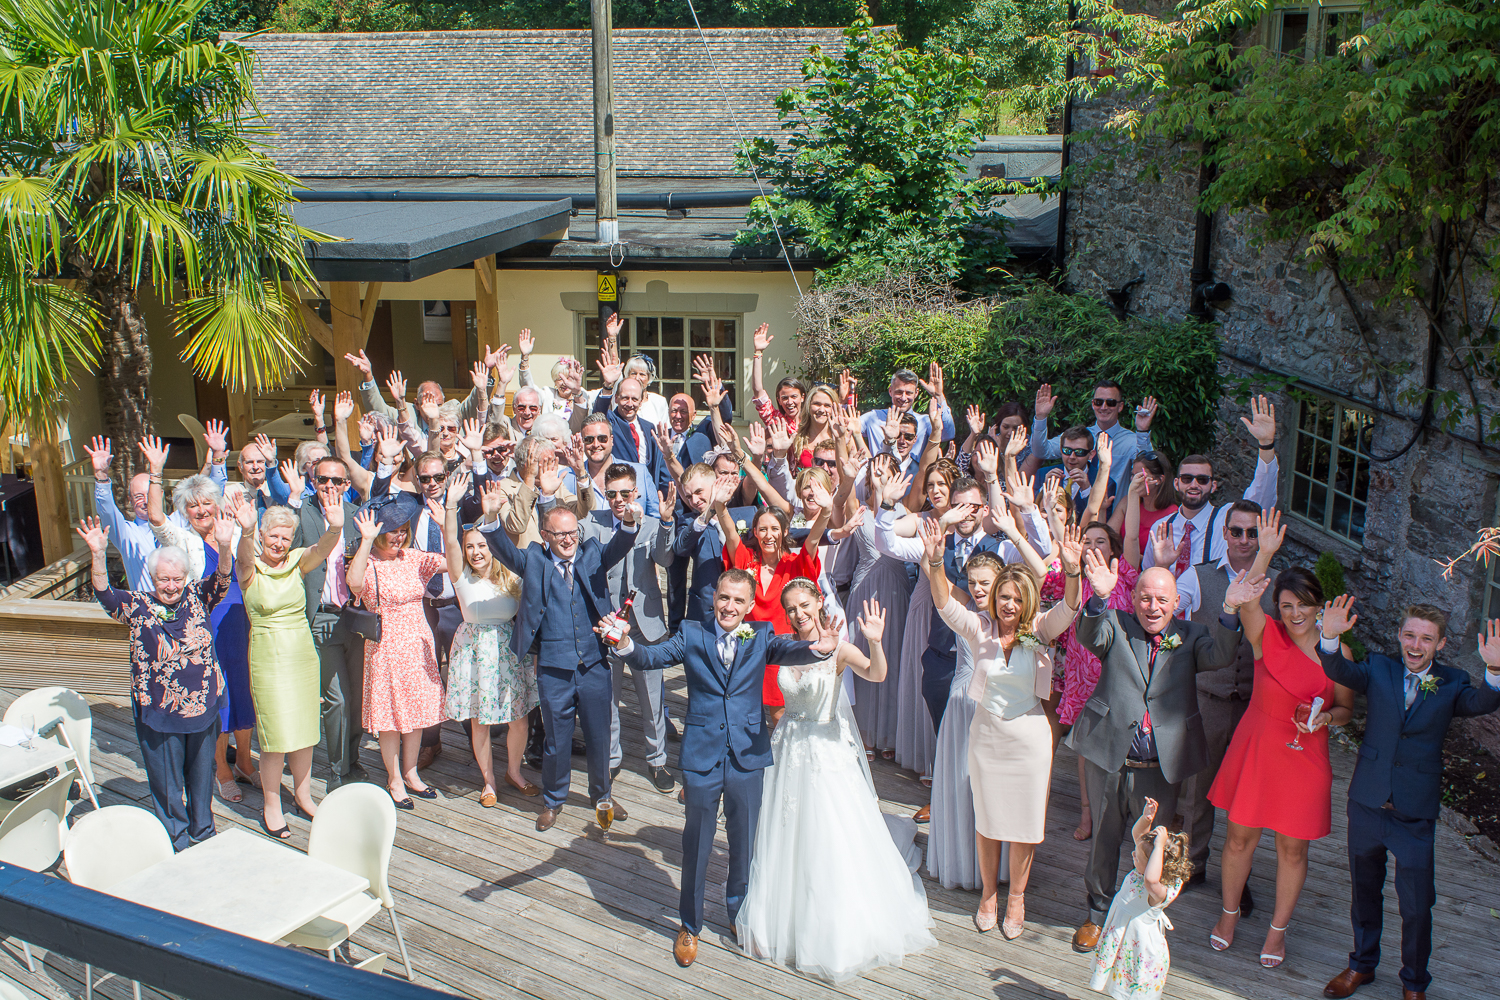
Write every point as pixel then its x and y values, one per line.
pixel 359 619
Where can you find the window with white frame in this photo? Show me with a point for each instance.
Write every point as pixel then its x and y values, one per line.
pixel 1312 31
pixel 671 342
pixel 1330 475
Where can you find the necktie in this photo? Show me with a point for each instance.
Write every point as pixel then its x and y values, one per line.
pixel 567 571
pixel 635 432
pixel 1185 550
pixel 726 649
pixel 1412 680
pixel 961 553
pixel 1143 747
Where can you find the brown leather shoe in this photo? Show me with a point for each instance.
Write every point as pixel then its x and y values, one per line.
pixel 427 755
pixel 923 815
pixel 1086 938
pixel 525 788
pixel 685 950
pixel 546 819
pixel 487 799
pixel 1346 982
pixel 1407 994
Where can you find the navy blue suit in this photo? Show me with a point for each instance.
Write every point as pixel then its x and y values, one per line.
pixel 1394 800
pixel 725 747
pixel 557 624
pixel 624 447
pixel 702 552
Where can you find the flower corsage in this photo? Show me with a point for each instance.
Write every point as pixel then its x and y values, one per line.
pixel 1171 641
pixel 743 632
pixel 1028 640
pixel 1427 685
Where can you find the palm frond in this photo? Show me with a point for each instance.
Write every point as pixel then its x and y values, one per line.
pixel 47 330
pixel 247 333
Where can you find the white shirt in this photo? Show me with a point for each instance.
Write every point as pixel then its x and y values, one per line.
pixel 1262 490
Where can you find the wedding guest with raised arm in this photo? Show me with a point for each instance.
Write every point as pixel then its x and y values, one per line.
pixel 1141 733
pixel 1109 409
pixel 1396 792
pixel 597 442
pixel 403 691
pixel 430 396
pixel 130 533
pixel 388 448
pixel 1276 774
pixel 488 684
pixel 1010 740
pixel 788 408
pixel 1149 498
pixel 565 397
pixel 1084 473
pixel 176 688
pixel 903 394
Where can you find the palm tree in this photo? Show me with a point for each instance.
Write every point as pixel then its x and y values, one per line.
pixel 130 160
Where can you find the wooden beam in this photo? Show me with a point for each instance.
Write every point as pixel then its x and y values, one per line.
pixel 51 494
pixel 321 331
pixel 367 315
pixel 241 418
pixel 458 320
pixel 486 303
pixel 347 335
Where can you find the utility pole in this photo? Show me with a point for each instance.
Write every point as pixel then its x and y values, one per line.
pixel 607 223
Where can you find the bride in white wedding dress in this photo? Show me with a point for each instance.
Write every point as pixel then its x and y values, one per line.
pixel 830 894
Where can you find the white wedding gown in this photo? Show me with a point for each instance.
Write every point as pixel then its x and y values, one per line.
pixel 830 894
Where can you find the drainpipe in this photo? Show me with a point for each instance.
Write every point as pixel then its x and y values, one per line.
pixel 1207 294
pixel 1060 252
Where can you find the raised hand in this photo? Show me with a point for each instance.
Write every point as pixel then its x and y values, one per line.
pixel 1070 550
pixel 1045 401
pixel 1162 546
pixel 1262 421
pixel 315 405
pixel 527 344
pixel 756 444
pixel 293 477
pixel 493 357
pixel 334 515
pixel 100 454
pixel 491 497
pixel 1148 810
pixel 613 326
pixel 1102 575
pixel 667 501
pixel 155 453
pixel 481 376
pixel 975 416
pixel 821 497
pixel 575 458
pixel 1489 645
pixel 892 427
pixel 957 513
pixel 396 384
pixel 216 436
pixel 896 487
pixel 847 384
pixel 609 364
pixel 1146 413
pixel 828 635
pixel 1339 616
pixel 362 363
pixel 1016 443
pixel 708 377
pixel 762 337
pixel 267 448
pixel 1245 588
pixel 243 511
pixel 872 622
pixel 473 437
pixel 1104 449
pixel 388 445
pixel 933 536
pixel 548 478
pixel 504 371
pixel 94 535
pixel 933 386
pixel 458 485
pixel 723 490
pixel 987 460
pixel 224 524
pixel 1023 496
pixel 1137 486
pixel 368 526
pixel 781 436
pixel 1005 520
pixel 1051 492
pixel 662 432
pixel 1270 532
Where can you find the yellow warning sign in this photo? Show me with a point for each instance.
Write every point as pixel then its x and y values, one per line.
pixel 607 287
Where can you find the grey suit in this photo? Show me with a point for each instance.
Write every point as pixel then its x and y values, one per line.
pixel 1128 687
pixel 341 653
pixel 638 571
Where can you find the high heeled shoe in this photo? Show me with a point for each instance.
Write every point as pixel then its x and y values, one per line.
pixel 1270 961
pixel 983 923
pixel 1011 931
pixel 1217 943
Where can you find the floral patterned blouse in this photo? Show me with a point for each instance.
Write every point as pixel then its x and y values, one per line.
pixel 176 685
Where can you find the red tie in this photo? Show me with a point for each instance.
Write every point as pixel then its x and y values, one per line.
pixel 1185 550
pixel 635 432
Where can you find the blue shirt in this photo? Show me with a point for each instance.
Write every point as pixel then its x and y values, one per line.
pixel 1127 443
pixel 131 537
pixel 872 425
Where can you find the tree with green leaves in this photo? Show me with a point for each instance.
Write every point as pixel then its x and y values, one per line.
pixel 131 167
pixel 1377 157
pixel 870 174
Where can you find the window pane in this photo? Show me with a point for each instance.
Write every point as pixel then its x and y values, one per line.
pixel 1321 462
pixel 591 332
pixel 673 364
pixel 1325 420
pixel 1293 32
pixel 1343 476
pixel 1351 428
pixel 1308 418
pixel 724 333
pixel 671 331
pixel 1338 28
pixel 1361 490
pixel 724 365
pixel 701 332
pixel 1300 493
pixel 1303 460
pixel 1357 522
pixel 1339 523
pixel 646 331
pixel 1317 503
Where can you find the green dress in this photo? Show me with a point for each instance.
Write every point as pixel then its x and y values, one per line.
pixel 283 660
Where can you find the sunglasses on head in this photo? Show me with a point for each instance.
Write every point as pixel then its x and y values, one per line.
pixel 621 494
pixel 1106 403
pixel 433 477
pixel 1076 452
pixel 332 481
pixel 1200 480
pixel 1243 532
pixel 595 438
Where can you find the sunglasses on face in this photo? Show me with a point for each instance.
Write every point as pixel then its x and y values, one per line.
pixel 826 463
pixel 1106 403
pixel 435 477
pixel 450 428
pixel 1200 480
pixel 1252 533
pixel 907 435
pixel 1076 452
pixel 497 451
pixel 621 494
pixel 332 481
pixel 528 409
pixel 596 439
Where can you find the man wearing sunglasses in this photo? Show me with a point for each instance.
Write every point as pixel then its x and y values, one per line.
pixel 1108 405
pixel 526 405
pixel 1197 527
pixel 1080 469
pixel 341 653
pixel 440 603
pixel 598 440
pixel 637 573
pixel 903 394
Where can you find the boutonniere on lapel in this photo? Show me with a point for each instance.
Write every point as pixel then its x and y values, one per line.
pixel 739 525
pixel 1427 685
pixel 743 632
pixel 1171 641
pixel 800 521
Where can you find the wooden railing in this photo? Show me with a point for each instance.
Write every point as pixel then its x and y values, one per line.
pixel 49 636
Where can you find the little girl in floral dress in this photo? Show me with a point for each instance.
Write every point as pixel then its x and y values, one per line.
pixel 1131 960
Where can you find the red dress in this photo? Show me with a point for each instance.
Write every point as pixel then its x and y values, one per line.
pixel 768 599
pixel 1263 782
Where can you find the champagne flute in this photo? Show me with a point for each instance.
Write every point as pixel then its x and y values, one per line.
pixel 28 723
pixel 1304 713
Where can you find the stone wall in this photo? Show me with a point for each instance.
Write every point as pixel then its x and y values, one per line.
pixel 1425 505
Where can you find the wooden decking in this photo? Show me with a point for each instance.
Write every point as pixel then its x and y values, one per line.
pixel 492 908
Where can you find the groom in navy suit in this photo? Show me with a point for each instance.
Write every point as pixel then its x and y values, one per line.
pixel 1395 793
pixel 725 743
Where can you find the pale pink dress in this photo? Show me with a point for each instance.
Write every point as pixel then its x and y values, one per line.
pixel 403 690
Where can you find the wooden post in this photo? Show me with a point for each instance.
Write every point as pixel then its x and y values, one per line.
pixel 51 493
pixel 486 303
pixel 348 329
pixel 241 419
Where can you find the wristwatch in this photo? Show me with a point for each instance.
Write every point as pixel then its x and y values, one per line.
pixel 887 505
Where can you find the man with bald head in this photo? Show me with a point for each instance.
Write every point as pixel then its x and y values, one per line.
pixel 1140 734
pixel 635 436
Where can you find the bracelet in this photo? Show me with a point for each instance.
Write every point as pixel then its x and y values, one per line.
pixel 154 478
pixel 1268 447
pixel 98 479
pixel 1230 611
pixel 1073 576
pixel 758 353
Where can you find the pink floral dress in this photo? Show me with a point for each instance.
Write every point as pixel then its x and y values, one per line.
pixel 403 690
pixel 1080 668
pixel 1132 960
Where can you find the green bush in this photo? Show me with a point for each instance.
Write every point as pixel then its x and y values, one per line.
pixel 1002 349
pixel 1330 574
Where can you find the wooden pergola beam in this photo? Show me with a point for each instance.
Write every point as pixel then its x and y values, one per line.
pixel 321 331
pixel 367 312
pixel 51 493
pixel 486 303
pixel 347 334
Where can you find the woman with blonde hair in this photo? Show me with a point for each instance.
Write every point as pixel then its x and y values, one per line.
pixel 814 426
pixel 1010 739
pixel 284 669
pixel 487 684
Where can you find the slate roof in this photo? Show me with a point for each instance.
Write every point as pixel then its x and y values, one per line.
pixel 520 103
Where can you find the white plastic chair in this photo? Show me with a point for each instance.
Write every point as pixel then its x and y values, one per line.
pixel 43 707
pixel 354 829
pixel 105 848
pixel 31 830
pixel 195 431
